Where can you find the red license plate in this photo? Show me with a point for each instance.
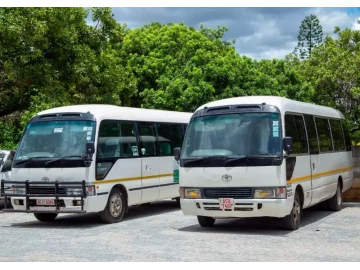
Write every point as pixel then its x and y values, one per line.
pixel 45 202
pixel 226 203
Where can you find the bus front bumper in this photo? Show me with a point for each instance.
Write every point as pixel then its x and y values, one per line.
pixel 35 198
pixel 242 208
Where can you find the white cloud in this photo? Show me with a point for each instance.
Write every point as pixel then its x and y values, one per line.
pixel 356 24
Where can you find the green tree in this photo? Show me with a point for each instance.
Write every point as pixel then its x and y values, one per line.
pixel 333 70
pixel 310 36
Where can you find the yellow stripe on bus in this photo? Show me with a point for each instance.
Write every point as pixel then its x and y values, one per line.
pixel 317 175
pixel 131 179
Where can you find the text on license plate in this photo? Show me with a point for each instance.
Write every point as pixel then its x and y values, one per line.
pixel 226 203
pixel 45 202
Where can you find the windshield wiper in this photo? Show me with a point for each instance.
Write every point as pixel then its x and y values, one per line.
pixel 21 161
pixel 204 159
pixel 62 158
pixel 248 157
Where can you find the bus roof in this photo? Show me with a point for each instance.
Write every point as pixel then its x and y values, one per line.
pixel 102 111
pixel 284 104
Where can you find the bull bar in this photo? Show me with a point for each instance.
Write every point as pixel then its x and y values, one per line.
pixel 28 184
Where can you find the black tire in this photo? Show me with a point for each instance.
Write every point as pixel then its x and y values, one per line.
pixel 45 217
pixel 115 207
pixel 335 203
pixel 206 221
pixel 292 221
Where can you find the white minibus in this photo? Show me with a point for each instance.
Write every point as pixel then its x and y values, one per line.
pixel 263 156
pixel 95 158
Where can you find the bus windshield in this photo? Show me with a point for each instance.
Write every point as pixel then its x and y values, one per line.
pixel 233 135
pixel 55 139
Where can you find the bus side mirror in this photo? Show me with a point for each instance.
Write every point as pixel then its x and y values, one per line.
pixel 287 144
pixel 177 152
pixel 7 166
pixel 90 148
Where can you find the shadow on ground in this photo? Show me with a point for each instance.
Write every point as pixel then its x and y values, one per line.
pixel 264 225
pixel 91 220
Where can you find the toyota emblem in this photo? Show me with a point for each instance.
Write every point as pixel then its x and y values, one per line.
pixel 45 179
pixel 226 178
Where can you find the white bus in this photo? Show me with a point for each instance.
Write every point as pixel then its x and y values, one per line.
pixel 263 156
pixel 95 158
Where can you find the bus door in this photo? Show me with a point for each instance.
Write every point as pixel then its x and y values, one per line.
pixel 150 166
pixel 314 159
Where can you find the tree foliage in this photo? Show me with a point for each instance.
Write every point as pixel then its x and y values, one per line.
pixel 310 36
pixel 52 57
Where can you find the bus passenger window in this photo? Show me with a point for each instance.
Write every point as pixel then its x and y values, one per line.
pixel 337 135
pixel 295 128
pixel 323 129
pixel 147 139
pixel 169 136
pixel 312 135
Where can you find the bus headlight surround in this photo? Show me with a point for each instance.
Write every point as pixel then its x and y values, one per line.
pixel 192 193
pixel 270 193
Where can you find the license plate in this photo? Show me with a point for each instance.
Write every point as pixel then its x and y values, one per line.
pixel 226 203
pixel 45 202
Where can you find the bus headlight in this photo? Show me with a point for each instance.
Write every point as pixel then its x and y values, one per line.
pixel 74 191
pixel 18 190
pixel 270 193
pixel 90 191
pixel 192 193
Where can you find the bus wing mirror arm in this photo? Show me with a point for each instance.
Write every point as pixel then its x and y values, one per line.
pixel 177 152
pixel 287 144
pixel 90 148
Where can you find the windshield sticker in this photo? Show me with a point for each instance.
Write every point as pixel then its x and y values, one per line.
pixel 58 130
pixel 135 151
pixel 276 129
pixel 89 128
pixel 88 138
pixel 89 133
pixel 275 123
pixel 275 134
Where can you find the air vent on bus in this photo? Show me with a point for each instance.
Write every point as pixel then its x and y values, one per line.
pixel 218 109
pixel 247 109
pixel 48 116
pixel 71 115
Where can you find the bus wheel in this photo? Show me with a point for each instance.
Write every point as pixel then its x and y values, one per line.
pixel 45 217
pixel 206 221
pixel 115 207
pixel 292 221
pixel 335 203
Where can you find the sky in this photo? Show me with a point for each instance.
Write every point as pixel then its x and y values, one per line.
pixel 260 32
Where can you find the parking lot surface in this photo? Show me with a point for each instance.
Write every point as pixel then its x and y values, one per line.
pixel 160 232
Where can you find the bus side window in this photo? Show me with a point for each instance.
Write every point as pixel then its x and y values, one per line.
pixel 337 134
pixel 169 136
pixel 324 134
pixel 347 136
pixel 295 128
pixel 312 134
pixel 147 139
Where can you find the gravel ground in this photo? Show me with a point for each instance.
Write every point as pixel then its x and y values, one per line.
pixel 160 232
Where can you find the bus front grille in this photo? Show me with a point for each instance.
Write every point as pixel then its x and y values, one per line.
pixel 45 190
pixel 235 193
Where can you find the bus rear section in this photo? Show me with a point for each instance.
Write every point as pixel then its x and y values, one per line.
pixel 242 157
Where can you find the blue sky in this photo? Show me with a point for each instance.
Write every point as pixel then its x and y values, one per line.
pixel 259 32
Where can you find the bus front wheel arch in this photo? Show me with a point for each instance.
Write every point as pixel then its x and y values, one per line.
pixel 292 221
pixel 115 207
